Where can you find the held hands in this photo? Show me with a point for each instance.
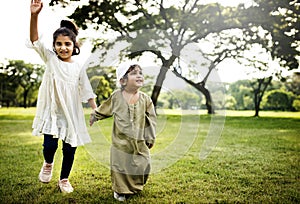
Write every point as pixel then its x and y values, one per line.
pixel 92 118
pixel 149 145
pixel 36 6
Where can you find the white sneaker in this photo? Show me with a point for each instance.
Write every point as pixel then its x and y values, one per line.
pixel 46 172
pixel 119 197
pixel 65 186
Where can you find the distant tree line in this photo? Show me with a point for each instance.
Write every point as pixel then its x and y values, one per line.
pixel 19 83
pixel 279 96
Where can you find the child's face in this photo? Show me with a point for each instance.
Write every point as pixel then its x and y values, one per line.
pixel 135 78
pixel 64 48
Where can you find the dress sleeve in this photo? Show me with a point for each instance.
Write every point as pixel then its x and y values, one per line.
pixel 150 120
pixel 40 48
pixel 105 109
pixel 85 88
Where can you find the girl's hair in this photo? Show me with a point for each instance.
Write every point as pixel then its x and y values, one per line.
pixel 67 28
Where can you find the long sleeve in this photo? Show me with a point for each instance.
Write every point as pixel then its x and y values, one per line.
pixel 40 48
pixel 104 110
pixel 85 88
pixel 150 120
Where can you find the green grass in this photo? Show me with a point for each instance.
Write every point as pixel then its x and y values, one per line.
pixel 255 161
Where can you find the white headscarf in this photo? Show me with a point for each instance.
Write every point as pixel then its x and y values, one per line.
pixel 122 69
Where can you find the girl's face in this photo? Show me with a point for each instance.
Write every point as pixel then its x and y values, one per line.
pixel 135 78
pixel 64 47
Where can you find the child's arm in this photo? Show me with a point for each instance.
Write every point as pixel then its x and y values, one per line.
pixel 93 105
pixel 35 8
pixel 150 126
pixel 103 111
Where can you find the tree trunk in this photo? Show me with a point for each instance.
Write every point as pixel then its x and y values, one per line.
pixel 159 82
pixel 25 98
pixel 200 87
pixel 259 92
pixel 256 104
pixel 208 99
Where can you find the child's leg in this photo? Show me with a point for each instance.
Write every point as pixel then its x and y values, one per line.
pixel 50 147
pixel 68 159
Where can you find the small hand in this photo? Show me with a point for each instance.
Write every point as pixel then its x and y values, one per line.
pixel 36 6
pixel 92 119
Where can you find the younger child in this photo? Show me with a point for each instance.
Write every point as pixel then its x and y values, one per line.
pixel 65 85
pixel 133 131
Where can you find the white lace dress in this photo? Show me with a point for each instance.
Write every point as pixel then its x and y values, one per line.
pixel 59 106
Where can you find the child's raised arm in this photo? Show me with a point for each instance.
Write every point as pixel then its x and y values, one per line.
pixel 35 8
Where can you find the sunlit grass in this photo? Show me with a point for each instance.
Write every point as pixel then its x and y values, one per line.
pixel 278 114
pixel 246 113
pixel 255 161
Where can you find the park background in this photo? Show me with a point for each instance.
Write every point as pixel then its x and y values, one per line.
pixel 254 159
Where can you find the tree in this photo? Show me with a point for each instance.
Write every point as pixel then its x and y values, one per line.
pixel 201 87
pixel 241 91
pixel 230 102
pixel 278 100
pixel 276 29
pixel 259 87
pixel 102 80
pixel 7 92
pixel 276 24
pixel 296 103
pixel 187 100
pixel 160 24
pixel 293 83
pixel 157 25
pixel 20 74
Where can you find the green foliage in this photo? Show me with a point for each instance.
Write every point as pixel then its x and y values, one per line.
pixel 271 25
pixel 167 101
pixel 278 100
pixel 248 103
pixel 292 83
pixel 255 161
pixel 183 99
pixel 275 97
pixel 187 100
pixel 20 82
pixel 8 94
pixel 241 91
pixel 103 81
pixel 296 104
pixel 230 103
pixel 280 20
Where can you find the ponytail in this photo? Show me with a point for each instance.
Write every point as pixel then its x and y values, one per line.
pixel 70 25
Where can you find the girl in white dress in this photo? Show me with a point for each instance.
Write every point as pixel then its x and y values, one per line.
pixel 64 87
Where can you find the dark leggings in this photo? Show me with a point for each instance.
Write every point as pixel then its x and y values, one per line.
pixel 50 147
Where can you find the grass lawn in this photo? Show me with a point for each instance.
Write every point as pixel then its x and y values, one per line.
pixel 256 160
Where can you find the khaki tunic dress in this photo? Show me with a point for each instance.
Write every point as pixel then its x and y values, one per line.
pixel 134 126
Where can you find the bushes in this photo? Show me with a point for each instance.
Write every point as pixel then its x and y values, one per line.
pixel 296 104
pixel 278 100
